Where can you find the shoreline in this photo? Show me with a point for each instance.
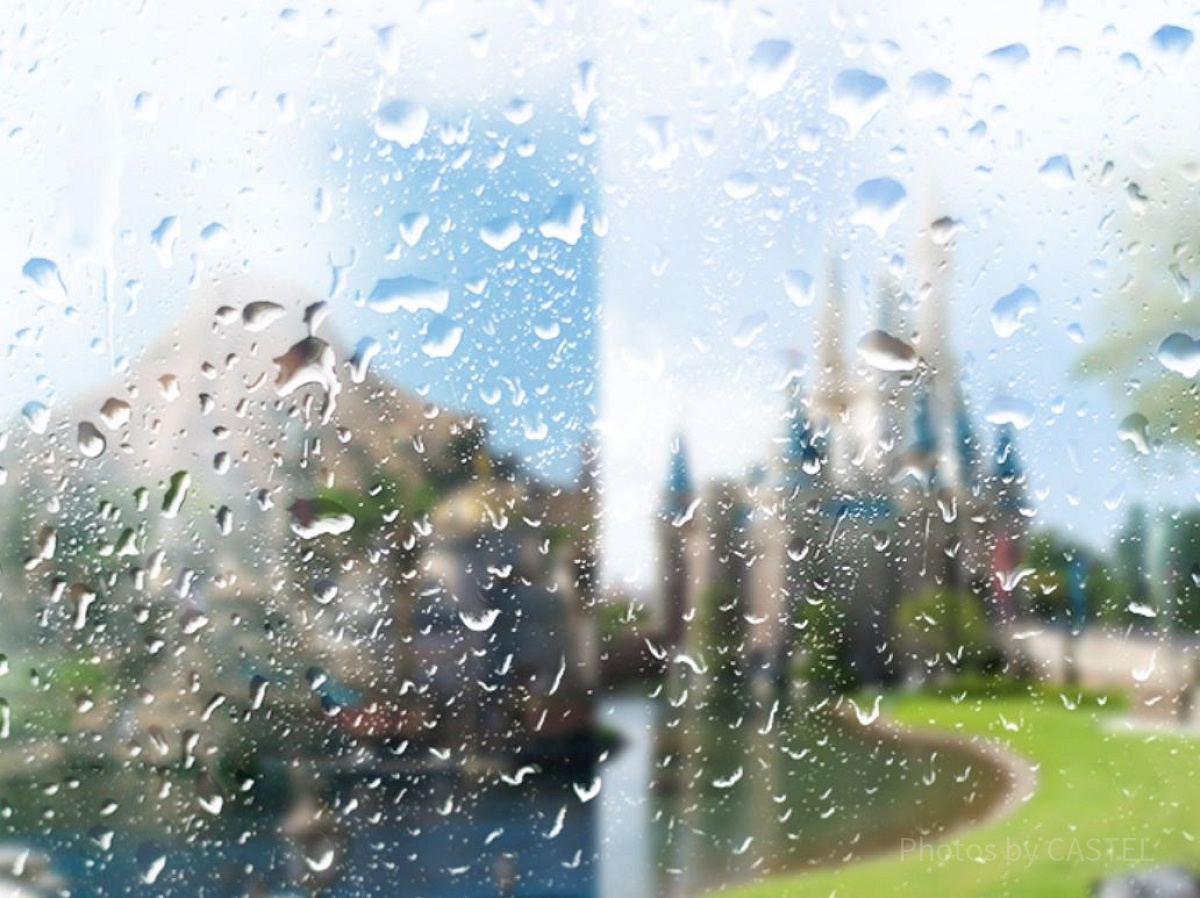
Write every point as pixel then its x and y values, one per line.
pixel 1020 784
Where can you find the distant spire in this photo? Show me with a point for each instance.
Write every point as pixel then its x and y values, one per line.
pixel 828 338
pixel 678 489
pixel 801 456
pixel 964 440
pixel 1008 463
pixel 933 272
pixel 924 435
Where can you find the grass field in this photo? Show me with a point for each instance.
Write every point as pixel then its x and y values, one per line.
pixel 1136 794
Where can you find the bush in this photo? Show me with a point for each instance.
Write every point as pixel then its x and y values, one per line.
pixel 942 628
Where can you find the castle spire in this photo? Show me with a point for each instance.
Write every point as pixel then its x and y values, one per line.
pixel 677 492
pixel 933 272
pixel 1008 469
pixel 831 375
pixel 801 455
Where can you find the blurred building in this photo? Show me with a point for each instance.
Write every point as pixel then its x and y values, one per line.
pixel 251 526
pixel 878 488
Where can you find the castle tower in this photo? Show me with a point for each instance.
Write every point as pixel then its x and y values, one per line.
pixel 1008 530
pixel 803 487
pixel 675 529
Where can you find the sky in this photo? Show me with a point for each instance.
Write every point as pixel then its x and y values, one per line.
pixel 704 173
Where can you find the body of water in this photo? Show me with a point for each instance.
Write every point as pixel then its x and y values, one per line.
pixel 690 800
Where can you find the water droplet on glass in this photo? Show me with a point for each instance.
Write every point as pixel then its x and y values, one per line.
pixel 1011 310
pixel 740 185
pixel 36 416
pixel 771 65
pixel 366 349
pixel 44 279
pixel 412 227
pixel 518 111
pixel 90 440
pixel 564 221
pixel 1172 40
pixel 501 232
pixel 481 622
pixel 442 337
pixel 1056 172
pixel 412 294
pixel 177 489
pixel 881 350
pixel 927 92
pixel 310 361
pixel 1180 353
pixel 1010 57
pixel 402 122
pixel 258 316
pixel 856 97
pixel 320 516
pixel 1010 410
pixel 878 204
pixel 163 239
pixel 1134 429
pixel 799 287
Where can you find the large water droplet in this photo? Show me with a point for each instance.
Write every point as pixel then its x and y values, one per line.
pixel 412 294
pixel 402 122
pixel 1010 57
pixel 36 416
pixel 799 286
pixel 1010 410
pixel 177 490
pixel 115 413
pixel 1134 429
pixel 501 232
pixel 317 517
pixel 412 227
pixel 881 350
pixel 1011 310
pixel 367 349
pixel 163 239
pixel 258 316
pixel 44 279
pixel 927 92
pixel 740 185
pixel 481 622
pixel 1181 354
pixel 878 203
pixel 564 221
pixel 90 440
pixel 1056 172
pixel 1172 40
pixel 442 337
pixel 771 65
pixel 310 361
pixel 856 97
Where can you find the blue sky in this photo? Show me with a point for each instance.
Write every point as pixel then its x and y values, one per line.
pixel 701 186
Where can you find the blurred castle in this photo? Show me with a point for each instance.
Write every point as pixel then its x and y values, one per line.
pixel 879 490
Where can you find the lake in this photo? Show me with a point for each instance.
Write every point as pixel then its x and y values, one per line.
pixel 691 799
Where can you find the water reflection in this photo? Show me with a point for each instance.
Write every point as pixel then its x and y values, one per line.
pixel 702 793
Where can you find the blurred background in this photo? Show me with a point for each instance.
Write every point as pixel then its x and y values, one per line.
pixel 578 449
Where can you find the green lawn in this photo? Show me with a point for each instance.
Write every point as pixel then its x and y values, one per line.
pixel 1092 784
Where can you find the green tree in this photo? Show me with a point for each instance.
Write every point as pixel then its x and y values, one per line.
pixel 1154 265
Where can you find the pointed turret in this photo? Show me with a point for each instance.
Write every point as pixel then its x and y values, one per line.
pixel 677 492
pixel 965 446
pixel 829 395
pixel 924 434
pixel 675 557
pixel 1008 470
pixel 802 459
